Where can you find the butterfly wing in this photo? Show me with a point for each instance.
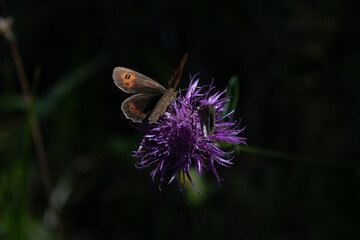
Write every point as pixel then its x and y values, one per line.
pixel 139 106
pixel 133 82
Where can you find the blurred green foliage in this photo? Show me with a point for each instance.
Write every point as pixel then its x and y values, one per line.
pixel 293 71
pixel 233 91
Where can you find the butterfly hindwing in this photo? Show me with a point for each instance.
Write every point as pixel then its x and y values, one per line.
pixel 138 106
pixel 131 81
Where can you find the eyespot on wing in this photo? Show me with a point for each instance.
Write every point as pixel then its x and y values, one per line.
pixel 139 106
pixel 131 81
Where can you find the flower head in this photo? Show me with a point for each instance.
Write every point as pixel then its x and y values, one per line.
pixel 177 141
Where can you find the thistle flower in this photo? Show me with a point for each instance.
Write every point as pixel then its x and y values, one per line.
pixel 176 141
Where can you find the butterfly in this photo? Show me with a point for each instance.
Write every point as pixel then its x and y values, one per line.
pixel 150 99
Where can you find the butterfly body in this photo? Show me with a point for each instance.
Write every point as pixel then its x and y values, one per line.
pixel 150 99
pixel 162 104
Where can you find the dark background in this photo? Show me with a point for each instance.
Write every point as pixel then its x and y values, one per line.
pixel 298 67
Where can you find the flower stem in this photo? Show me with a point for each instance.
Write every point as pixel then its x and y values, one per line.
pixel 307 159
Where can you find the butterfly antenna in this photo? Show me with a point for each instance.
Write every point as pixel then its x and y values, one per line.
pixel 175 77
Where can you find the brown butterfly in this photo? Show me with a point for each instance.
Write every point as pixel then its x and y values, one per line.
pixel 147 93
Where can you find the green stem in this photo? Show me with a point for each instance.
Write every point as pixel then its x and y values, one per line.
pixel 313 160
pixel 271 153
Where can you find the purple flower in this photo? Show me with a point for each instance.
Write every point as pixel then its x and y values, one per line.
pixel 177 142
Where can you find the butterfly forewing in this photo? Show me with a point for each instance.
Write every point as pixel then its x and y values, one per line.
pixel 131 81
pixel 138 106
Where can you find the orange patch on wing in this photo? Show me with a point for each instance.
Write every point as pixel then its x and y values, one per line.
pixel 134 111
pixel 128 79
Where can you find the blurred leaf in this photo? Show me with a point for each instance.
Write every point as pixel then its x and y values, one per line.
pixel 8 129
pixel 12 102
pixel 35 231
pixel 300 158
pixel 16 102
pixel 121 145
pixel 68 84
pixel 52 218
pixel 14 189
pixel 193 197
pixel 61 192
pixel 233 92
pixel 58 199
